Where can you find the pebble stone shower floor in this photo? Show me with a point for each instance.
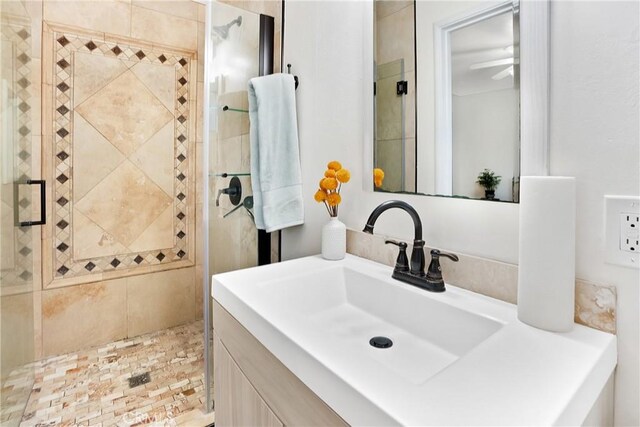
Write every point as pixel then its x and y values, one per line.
pixel 91 387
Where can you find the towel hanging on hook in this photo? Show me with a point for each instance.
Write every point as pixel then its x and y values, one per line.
pixel 295 78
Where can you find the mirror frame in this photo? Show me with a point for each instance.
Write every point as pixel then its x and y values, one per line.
pixel 534 91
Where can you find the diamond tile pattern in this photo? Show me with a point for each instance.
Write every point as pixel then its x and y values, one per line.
pixel 128 113
pixel 17 37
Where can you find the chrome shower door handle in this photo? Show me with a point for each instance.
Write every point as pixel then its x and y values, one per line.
pixel 43 203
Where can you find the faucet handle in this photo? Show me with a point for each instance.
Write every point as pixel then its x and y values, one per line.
pixel 434 273
pixel 402 262
pixel 435 253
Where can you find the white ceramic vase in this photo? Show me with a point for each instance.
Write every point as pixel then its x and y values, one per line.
pixel 334 239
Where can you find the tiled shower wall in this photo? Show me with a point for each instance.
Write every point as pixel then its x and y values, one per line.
pixel 122 86
pixel 238 56
pixel 395 43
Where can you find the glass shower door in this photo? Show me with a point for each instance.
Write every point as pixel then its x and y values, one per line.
pixel 20 208
pixel 241 43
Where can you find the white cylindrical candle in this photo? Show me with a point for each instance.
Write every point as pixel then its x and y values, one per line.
pixel 546 270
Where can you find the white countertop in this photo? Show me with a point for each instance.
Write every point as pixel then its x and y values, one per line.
pixel 518 375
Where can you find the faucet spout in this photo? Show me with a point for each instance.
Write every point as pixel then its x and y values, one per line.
pixel 417 254
pixel 417 223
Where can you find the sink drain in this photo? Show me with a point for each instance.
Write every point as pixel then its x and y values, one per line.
pixel 380 342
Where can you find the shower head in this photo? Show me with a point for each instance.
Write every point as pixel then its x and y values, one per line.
pixel 223 30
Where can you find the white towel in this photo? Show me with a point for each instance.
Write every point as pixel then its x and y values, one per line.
pixel 275 157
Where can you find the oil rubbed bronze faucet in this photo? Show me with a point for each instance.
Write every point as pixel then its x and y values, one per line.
pixel 412 272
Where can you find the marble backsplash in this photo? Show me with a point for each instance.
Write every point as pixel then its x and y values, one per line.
pixel 595 305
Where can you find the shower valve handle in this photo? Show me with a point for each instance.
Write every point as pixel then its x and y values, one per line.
pixel 234 191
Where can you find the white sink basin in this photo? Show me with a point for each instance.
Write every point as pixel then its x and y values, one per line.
pixel 348 308
pixel 457 358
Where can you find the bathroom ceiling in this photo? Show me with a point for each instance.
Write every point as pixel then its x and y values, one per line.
pixel 473 47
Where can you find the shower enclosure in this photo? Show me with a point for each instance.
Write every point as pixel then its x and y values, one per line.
pixel 243 41
pixel 19 208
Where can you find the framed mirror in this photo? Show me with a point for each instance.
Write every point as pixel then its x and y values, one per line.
pixel 460 97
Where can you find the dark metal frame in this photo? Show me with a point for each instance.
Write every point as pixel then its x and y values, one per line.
pixel 266 49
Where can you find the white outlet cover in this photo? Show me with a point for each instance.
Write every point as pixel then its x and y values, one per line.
pixel 614 206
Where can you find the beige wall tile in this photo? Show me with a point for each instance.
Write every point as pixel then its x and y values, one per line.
pixel 202 12
pixel 389 159
pixel 160 300
pixel 159 235
pixel 35 101
pixel 37 325
pixel 16 335
pixel 199 235
pixel 237 228
pixel 410 164
pixel 93 157
pixel 387 7
pixel 92 241
pixel 81 316
pixel 156 158
pixel 595 306
pixel 199 292
pixel 93 72
pixel 395 39
pixel 160 80
pixel 229 157
pixel 199 112
pixel 108 16
pixel 116 111
pixel 233 123
pixel 245 151
pixel 164 29
pixel 200 179
pixel 492 278
pixel 115 203
pixel 201 41
pixel 183 8
pixel 410 105
pixel 34 9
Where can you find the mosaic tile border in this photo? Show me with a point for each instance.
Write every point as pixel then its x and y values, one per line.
pixel 66 43
pixel 19 35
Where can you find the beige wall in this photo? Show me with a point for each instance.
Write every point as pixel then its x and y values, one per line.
pixel 122 193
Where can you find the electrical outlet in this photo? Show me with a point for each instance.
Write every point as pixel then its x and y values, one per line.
pixel 622 230
pixel 630 232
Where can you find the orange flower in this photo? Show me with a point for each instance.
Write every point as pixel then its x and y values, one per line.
pixel 378 174
pixel 320 196
pixel 377 182
pixel 335 165
pixel 343 175
pixel 333 199
pixel 330 173
pixel 329 184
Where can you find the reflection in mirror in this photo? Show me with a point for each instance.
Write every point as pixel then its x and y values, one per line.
pixel 485 109
pixel 394 147
pixel 467 67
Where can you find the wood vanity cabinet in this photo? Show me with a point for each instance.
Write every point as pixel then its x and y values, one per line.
pixel 253 388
